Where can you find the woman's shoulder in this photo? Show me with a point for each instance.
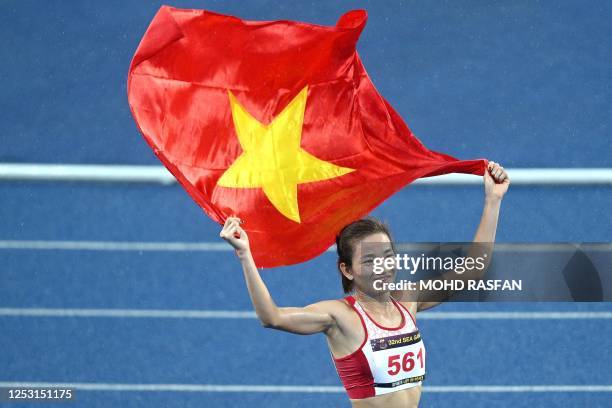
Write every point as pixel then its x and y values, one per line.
pixel 336 307
pixel 339 304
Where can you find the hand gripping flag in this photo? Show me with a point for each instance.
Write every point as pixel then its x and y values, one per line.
pixel 276 122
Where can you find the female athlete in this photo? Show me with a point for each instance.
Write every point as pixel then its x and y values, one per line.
pixel 386 371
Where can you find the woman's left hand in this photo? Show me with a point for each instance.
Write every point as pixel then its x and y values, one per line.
pixel 496 181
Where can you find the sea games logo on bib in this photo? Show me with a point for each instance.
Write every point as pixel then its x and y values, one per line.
pixel 399 340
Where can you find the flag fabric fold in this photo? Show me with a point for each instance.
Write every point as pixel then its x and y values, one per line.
pixel 276 122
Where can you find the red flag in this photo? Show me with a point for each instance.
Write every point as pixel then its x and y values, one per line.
pixel 276 122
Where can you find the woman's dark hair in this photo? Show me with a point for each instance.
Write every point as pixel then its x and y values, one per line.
pixel 348 236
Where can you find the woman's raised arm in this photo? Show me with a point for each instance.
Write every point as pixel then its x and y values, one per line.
pixel 314 318
pixel 496 183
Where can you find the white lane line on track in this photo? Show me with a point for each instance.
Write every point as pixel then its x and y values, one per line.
pixel 298 388
pixel 247 314
pixel 222 246
pixel 116 245
pixel 113 173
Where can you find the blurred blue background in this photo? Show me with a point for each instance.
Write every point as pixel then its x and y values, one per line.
pixel 524 83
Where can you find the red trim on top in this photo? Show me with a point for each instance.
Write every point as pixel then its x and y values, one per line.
pixel 402 324
pixel 409 314
pixel 351 301
pixel 361 391
pixel 354 369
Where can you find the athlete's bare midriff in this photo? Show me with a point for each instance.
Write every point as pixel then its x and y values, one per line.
pixel 408 398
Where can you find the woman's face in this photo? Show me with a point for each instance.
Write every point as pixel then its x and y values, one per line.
pixel 367 263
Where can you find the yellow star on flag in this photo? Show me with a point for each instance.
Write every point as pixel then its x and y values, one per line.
pixel 272 158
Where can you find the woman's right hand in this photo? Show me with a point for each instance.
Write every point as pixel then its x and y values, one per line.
pixel 235 235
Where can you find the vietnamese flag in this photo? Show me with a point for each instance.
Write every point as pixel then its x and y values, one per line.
pixel 276 122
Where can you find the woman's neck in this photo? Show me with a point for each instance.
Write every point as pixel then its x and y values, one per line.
pixel 380 303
